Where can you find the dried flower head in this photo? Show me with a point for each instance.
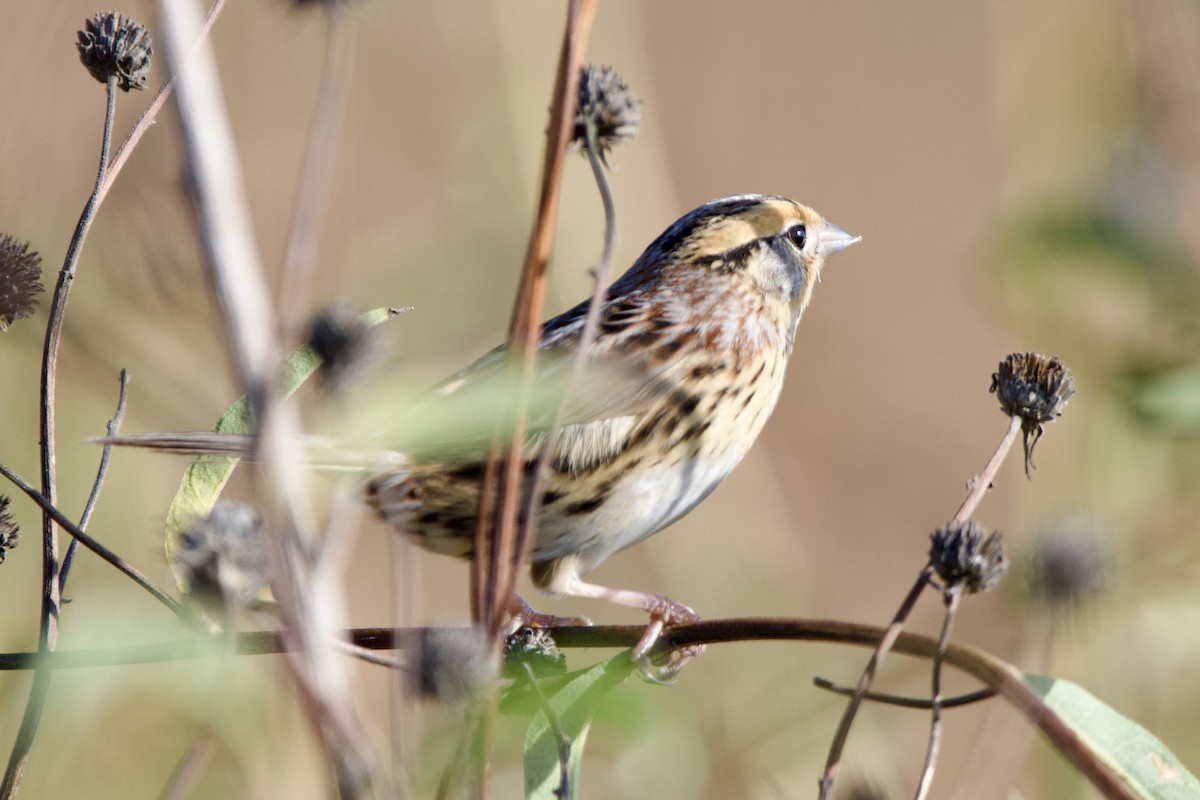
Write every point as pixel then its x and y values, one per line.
pixel 537 648
pixel 965 554
pixel 454 665
pixel 222 558
pixel 1067 566
pixel 112 45
pixel 10 531
pixel 346 344
pixel 1034 388
pixel 607 113
pixel 20 280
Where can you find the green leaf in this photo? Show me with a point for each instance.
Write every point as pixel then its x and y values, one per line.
pixel 1144 762
pixel 207 475
pixel 573 706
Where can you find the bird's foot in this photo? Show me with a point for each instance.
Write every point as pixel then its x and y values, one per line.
pixel 664 612
pixel 523 615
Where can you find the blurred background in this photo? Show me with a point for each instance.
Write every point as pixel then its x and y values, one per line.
pixel 1024 176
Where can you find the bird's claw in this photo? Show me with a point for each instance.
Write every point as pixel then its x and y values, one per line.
pixel 664 612
pixel 523 615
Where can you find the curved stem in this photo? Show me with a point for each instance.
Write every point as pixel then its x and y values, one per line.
pixel 51 599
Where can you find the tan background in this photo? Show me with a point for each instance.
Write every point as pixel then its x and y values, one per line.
pixel 934 130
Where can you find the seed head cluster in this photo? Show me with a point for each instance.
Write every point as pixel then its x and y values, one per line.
pixel 1034 388
pixel 607 111
pixel 964 554
pixel 20 280
pixel 112 45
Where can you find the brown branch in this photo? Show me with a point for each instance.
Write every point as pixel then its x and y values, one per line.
pixel 1000 676
pixel 493 575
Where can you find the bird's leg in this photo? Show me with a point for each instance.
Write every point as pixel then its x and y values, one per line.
pixel 663 612
pixel 523 615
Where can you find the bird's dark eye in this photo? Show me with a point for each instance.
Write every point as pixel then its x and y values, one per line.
pixel 798 235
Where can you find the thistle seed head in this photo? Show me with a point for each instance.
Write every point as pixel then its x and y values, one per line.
pixel 10 531
pixel 1034 388
pixel 607 113
pixel 113 45
pixel 965 554
pixel 20 280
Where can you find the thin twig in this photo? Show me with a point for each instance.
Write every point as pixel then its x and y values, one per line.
pixel 150 113
pixel 493 578
pixel 114 425
pixel 87 541
pixel 982 482
pixel 833 761
pixel 51 599
pixel 956 701
pixel 953 599
pixel 316 177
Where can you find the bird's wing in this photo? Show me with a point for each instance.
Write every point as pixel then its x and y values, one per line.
pixel 614 384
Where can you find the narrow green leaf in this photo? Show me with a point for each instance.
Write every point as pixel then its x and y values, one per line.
pixel 573 705
pixel 207 475
pixel 1130 750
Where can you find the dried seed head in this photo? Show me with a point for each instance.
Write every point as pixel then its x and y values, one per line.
pixel 454 665
pixel 1034 388
pixel 607 113
pixel 10 531
pixel 112 45
pixel 1067 567
pixel 537 648
pixel 222 558
pixel 20 280
pixel 346 344
pixel 965 554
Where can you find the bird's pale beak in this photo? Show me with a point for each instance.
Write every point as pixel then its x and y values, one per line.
pixel 833 239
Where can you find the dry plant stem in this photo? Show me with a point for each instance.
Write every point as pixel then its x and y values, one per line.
pixel 982 482
pixel 493 578
pixel 51 599
pixel 591 326
pixel 833 761
pixel 956 701
pixel 953 600
pixel 310 608
pixel 316 177
pixel 978 487
pixel 561 739
pixel 114 425
pixel 147 117
pixel 87 541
